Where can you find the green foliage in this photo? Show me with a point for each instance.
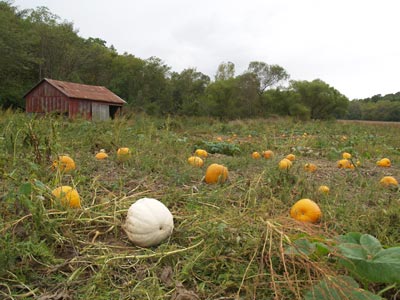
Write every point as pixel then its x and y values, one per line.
pixel 225 71
pixel 267 75
pixel 377 108
pixel 323 101
pixel 16 45
pixel 219 147
pixel 361 254
pixel 300 111
pixel 303 246
pixel 218 99
pixel 339 288
pixel 365 258
pixel 379 97
pixel 188 88
pixel 23 253
pixel 382 110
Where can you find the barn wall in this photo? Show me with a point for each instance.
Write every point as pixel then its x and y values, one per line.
pixel 100 111
pixel 80 109
pixel 46 98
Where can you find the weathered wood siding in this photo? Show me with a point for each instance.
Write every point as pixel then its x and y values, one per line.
pixel 100 111
pixel 80 109
pixel 46 98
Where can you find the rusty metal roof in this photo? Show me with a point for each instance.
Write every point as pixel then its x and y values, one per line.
pixel 84 91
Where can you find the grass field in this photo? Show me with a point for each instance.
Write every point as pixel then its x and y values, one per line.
pixel 231 241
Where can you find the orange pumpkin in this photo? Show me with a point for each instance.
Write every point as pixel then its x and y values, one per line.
pixel 68 196
pixel 101 155
pixel 345 164
pixel 285 164
pixel 291 157
pixel 216 173
pixel 323 189
pixel 310 167
pixel 195 161
pixel 64 163
pixel 201 153
pixel 346 155
pixel 256 155
pixel 388 181
pixel 384 162
pixel 267 154
pixel 123 154
pixel 306 210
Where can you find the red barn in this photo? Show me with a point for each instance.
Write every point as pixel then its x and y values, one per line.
pixel 73 100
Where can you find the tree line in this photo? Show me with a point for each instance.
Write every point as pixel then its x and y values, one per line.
pixel 36 44
pixel 377 108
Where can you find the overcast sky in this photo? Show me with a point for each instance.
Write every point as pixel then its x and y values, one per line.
pixel 353 45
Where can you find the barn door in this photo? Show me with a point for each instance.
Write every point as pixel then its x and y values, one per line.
pixel 100 111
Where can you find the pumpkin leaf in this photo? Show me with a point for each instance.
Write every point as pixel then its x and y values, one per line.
pixel 25 189
pixel 350 237
pixel 353 251
pixel 304 247
pixel 301 246
pixel 219 147
pixel 40 185
pixel 339 288
pixel 370 244
pixel 322 249
pixel 366 259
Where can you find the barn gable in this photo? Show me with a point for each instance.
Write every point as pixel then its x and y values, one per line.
pixel 73 99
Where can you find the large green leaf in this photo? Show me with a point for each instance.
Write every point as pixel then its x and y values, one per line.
pixel 305 247
pixel 301 246
pixel 370 244
pixel 364 256
pixel 351 237
pixel 339 288
pixel 219 147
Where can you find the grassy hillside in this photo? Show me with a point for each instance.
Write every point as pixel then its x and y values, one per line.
pixel 231 241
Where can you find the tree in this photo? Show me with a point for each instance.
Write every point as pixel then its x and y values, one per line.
pixel 225 71
pixel 218 99
pixel 56 47
pixel 281 102
pixel 127 77
pixel 267 75
pixel 323 101
pixel 96 62
pixel 247 100
pixel 16 61
pixel 354 110
pixel 188 87
pixel 155 96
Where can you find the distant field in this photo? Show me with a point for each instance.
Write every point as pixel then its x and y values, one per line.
pixel 370 122
pixel 234 240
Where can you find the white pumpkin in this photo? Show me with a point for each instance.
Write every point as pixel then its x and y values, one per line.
pixel 148 222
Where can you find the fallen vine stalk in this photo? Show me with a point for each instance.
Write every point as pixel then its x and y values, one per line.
pixel 143 256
